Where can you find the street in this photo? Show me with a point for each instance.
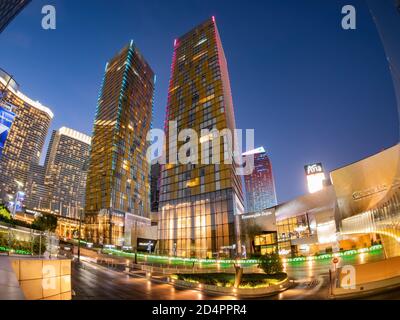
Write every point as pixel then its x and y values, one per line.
pixel 310 282
pixel 98 283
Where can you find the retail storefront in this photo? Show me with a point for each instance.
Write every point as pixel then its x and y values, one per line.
pixel 368 197
pixel 303 226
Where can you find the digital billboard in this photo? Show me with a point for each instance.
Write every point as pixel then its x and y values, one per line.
pixel 144 245
pixel 6 120
pixel 315 177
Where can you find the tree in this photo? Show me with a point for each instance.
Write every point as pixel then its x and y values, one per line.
pixel 252 230
pixel 45 222
pixel 271 263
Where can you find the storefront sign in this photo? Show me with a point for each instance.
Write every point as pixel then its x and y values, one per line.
pixel 146 245
pixel 358 195
pixel 257 215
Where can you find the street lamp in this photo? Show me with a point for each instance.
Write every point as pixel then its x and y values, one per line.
pixel 79 236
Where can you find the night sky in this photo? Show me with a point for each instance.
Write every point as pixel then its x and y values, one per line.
pixel 312 91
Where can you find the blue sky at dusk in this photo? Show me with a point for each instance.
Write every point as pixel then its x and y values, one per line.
pixel 312 91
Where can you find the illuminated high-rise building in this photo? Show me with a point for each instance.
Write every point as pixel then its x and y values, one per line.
pixel 200 203
pixel 118 187
pixel 260 184
pixel 25 140
pixel 9 9
pixel 66 169
pixel 58 186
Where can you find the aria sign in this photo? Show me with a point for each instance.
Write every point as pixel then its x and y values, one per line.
pixel 313 169
pixel 315 177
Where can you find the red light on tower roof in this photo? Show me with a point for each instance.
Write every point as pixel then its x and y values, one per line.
pixel 213 18
pixel 175 42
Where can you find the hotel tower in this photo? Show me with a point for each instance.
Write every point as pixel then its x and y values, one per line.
pixel 260 185
pixel 118 187
pixel 58 187
pixel 199 203
pixel 24 124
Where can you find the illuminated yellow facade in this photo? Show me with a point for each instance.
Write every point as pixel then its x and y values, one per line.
pixel 118 189
pixel 199 203
pixel 368 196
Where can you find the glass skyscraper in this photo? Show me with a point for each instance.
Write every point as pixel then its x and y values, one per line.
pixel 9 9
pixel 200 203
pixel 260 185
pixel 118 186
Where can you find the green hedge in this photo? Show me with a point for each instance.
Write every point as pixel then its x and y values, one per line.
pixel 251 280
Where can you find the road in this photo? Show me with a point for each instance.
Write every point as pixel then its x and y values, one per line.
pixel 99 283
pixel 311 281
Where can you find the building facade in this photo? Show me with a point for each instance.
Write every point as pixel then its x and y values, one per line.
pixel 155 173
pixel 118 186
pixel 58 186
pixel 199 203
pixel 36 190
pixel 25 139
pixel 368 196
pixel 260 185
pixel 66 171
pixel 9 9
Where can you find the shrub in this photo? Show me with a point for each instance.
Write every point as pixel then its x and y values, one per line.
pixel 45 222
pixel 271 263
pixel 4 213
pixel 227 279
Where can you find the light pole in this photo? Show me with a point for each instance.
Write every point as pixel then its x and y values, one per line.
pixel 79 236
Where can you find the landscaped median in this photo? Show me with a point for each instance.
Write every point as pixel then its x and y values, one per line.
pixel 251 285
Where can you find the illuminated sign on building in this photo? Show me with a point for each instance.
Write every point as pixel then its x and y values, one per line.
pixel 6 120
pixel 315 177
pixel 146 245
pixel 20 198
pixel 264 213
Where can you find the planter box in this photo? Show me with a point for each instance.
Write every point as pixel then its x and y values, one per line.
pixel 256 292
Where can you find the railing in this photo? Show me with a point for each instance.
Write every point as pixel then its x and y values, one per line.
pixel 23 241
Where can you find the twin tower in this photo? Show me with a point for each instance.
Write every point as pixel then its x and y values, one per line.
pixel 199 204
